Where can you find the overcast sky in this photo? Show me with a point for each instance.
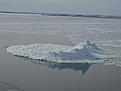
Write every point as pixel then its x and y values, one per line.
pixel 103 7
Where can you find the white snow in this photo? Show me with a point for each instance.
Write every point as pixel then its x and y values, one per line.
pixel 82 53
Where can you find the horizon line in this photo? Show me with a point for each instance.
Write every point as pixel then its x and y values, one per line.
pixel 63 14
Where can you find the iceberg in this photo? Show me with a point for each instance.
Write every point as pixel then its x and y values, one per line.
pixel 87 52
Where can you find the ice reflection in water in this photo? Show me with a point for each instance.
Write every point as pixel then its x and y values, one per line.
pixel 83 67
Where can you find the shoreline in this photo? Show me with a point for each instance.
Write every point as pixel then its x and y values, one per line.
pixel 68 15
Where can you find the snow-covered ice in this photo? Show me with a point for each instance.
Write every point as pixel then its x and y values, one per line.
pixel 87 52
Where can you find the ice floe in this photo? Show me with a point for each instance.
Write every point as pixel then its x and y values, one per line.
pixel 87 52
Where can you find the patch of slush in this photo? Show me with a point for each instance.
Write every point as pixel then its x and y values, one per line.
pixel 8 87
pixel 87 52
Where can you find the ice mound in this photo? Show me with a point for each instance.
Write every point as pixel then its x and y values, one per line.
pixel 81 53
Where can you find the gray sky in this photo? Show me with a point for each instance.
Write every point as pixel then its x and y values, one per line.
pixel 103 7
